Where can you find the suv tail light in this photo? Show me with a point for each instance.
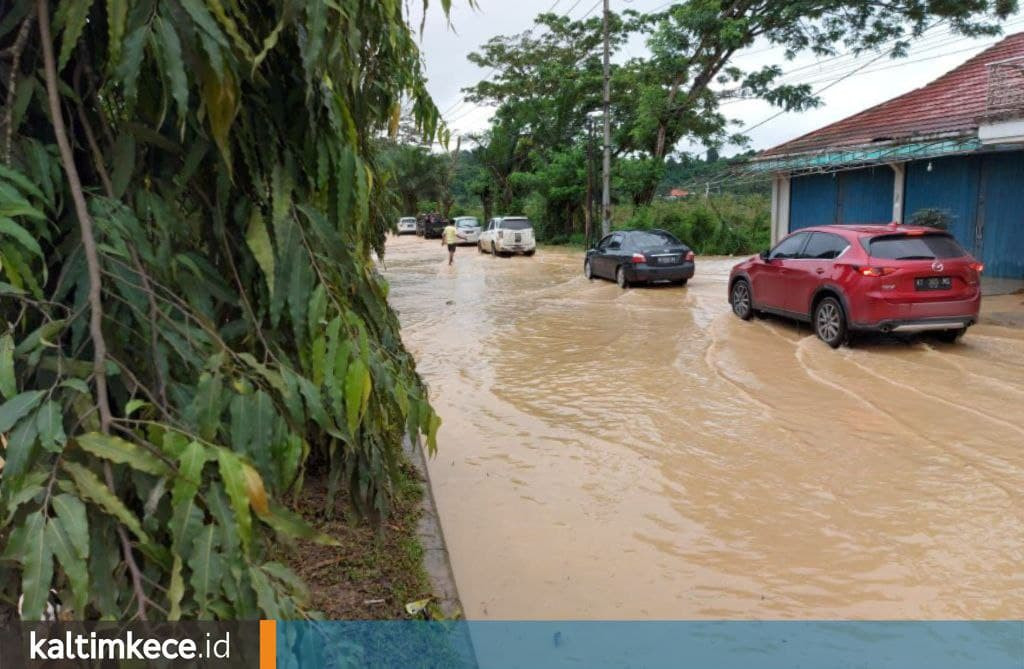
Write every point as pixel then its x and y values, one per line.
pixel 501 234
pixel 689 256
pixel 639 258
pixel 876 271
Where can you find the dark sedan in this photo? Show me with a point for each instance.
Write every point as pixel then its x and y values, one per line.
pixel 640 256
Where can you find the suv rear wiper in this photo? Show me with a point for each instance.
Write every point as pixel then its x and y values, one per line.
pixel 916 258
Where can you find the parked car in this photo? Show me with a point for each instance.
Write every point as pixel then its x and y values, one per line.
pixel 433 227
pixel 640 256
pixel 407 225
pixel 508 234
pixel 469 229
pixel 848 278
pixel 421 224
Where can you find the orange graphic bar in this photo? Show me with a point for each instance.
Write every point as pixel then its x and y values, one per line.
pixel 268 644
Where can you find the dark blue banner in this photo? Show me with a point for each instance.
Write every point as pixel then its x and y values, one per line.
pixel 721 645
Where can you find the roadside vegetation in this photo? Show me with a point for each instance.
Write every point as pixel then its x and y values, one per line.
pixel 194 343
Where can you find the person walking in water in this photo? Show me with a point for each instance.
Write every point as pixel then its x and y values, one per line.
pixel 450 236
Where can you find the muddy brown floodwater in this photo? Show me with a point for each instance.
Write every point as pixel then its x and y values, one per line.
pixel 610 454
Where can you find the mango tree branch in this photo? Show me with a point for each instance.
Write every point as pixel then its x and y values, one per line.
pixel 92 261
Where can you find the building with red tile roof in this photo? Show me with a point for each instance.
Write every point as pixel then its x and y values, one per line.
pixel 951 150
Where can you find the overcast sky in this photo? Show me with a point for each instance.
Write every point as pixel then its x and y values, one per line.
pixel 871 78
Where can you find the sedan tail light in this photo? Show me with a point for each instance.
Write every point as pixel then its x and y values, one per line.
pixel 639 258
pixel 876 271
pixel 978 267
pixel 689 256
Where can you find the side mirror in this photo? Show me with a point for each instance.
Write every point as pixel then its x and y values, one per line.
pixel 765 255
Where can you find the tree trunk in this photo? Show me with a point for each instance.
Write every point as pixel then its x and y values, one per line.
pixel 645 195
pixel 486 202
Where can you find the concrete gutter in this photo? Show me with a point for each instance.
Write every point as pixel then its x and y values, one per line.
pixel 436 560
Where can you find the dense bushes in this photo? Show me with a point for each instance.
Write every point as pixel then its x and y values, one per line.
pixel 719 225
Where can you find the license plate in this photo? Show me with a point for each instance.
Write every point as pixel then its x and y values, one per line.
pixel 934 283
pixel 519 238
pixel 668 260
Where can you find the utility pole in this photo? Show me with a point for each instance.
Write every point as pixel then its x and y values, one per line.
pixel 589 213
pixel 606 194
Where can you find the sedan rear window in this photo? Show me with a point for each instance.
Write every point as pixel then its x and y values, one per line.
pixel 466 223
pixel 653 239
pixel 516 224
pixel 914 247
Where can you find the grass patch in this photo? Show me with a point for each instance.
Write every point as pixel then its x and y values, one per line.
pixel 376 570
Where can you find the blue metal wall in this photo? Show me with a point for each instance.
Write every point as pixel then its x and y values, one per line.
pixel 979 192
pixel 858 196
pixel 865 196
pixel 951 187
pixel 812 200
pixel 1002 205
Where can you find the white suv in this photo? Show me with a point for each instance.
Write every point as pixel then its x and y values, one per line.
pixel 509 234
pixel 407 225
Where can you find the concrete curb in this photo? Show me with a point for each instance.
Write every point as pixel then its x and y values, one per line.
pixel 436 561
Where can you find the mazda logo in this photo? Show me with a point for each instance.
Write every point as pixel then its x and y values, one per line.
pixel 937 266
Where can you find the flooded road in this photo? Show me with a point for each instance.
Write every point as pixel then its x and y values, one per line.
pixel 610 454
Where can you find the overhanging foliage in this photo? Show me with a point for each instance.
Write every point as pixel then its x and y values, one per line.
pixel 189 311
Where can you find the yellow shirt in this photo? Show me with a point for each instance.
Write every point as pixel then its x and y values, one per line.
pixel 450 234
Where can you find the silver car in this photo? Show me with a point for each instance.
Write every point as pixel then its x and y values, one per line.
pixel 468 228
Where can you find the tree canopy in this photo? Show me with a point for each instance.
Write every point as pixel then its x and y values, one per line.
pixel 547 82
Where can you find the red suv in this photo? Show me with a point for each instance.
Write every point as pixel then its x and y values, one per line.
pixel 881 278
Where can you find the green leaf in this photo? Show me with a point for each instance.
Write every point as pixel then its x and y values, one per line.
pixel 41 336
pixel 50 426
pixel 265 595
pixel 175 66
pixel 129 66
pixel 72 562
pixel 232 472
pixel 220 96
pixel 18 490
pixel 74 22
pixel 258 241
pixel 117 17
pixel 207 568
pixel 104 559
pixel 135 405
pixel 74 520
pixel 186 517
pixel 21 181
pixel 124 154
pixel 37 569
pixel 175 591
pixel 13 204
pixel 21 448
pixel 357 377
pixel 18 407
pixel 289 578
pixel 20 235
pixel 8 384
pixel 123 452
pixel 77 385
pixel 97 492
pixel 293 526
